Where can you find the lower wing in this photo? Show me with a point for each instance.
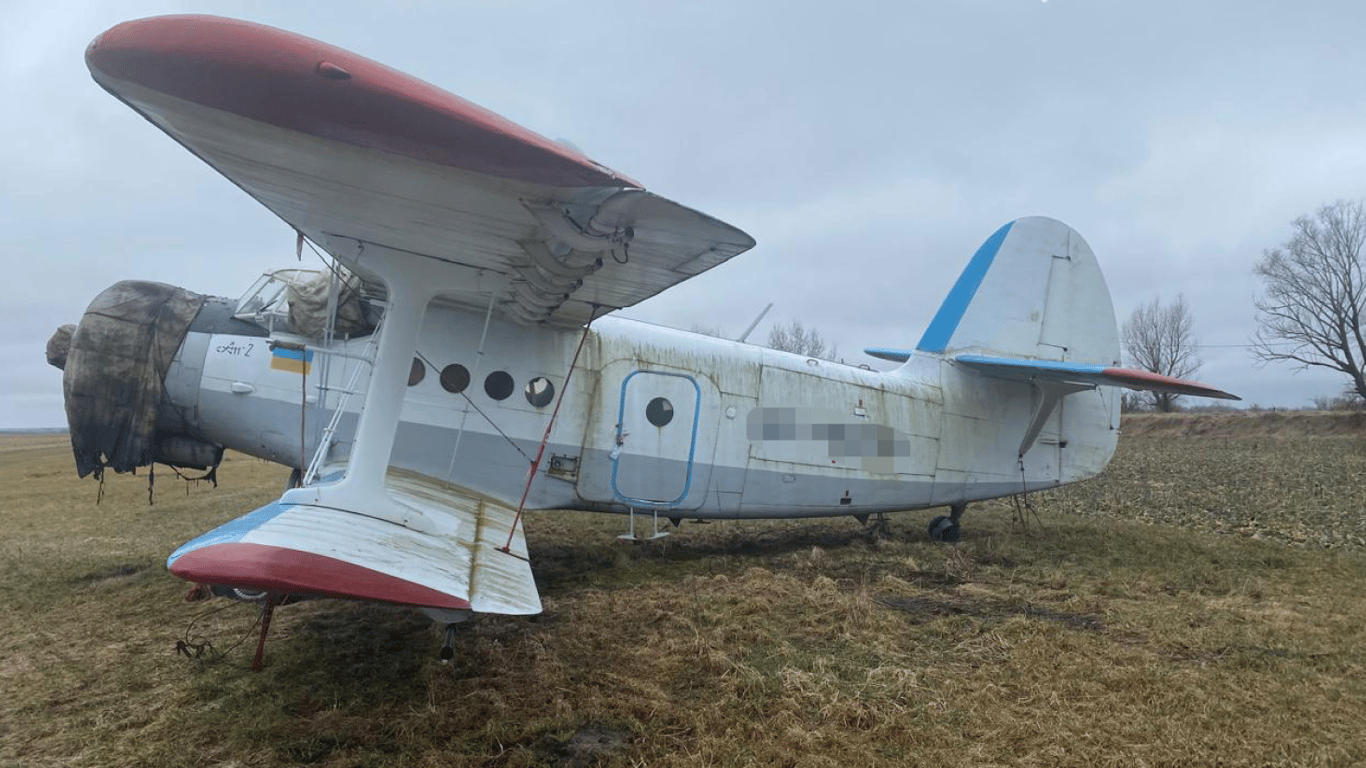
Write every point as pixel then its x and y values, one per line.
pixel 453 559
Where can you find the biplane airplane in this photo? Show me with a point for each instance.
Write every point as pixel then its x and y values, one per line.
pixel 457 362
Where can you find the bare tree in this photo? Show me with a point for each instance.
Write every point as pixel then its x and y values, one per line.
pixel 1315 294
pixel 1130 401
pixel 1162 340
pixel 800 340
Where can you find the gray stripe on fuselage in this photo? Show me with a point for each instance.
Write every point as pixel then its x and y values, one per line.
pixel 500 471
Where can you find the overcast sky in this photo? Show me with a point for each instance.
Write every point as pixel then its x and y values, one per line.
pixel 868 147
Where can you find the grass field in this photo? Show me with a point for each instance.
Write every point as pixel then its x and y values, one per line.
pixel 1201 603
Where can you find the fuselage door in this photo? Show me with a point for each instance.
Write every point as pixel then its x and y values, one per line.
pixel 656 439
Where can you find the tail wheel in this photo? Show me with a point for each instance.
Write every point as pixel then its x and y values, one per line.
pixel 944 529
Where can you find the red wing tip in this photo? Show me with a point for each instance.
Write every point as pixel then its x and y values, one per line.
pixel 290 571
pixel 1171 382
pixel 272 76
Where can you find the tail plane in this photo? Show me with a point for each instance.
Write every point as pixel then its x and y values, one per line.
pixel 1032 306
pixel 1032 303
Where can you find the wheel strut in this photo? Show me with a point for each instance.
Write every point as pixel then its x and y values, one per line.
pixel 448 647
pixel 267 611
pixel 945 527
pixel 880 527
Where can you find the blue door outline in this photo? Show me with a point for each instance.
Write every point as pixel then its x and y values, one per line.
pixel 692 442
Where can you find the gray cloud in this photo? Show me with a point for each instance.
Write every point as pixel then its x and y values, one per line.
pixel 869 147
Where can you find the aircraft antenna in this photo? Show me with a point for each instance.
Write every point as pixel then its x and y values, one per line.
pixel 752 325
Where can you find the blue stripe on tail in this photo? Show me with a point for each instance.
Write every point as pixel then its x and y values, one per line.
pixel 945 322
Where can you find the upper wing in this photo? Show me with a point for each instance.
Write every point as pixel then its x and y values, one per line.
pixel 368 161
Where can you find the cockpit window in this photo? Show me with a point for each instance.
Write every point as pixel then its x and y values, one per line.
pixel 298 301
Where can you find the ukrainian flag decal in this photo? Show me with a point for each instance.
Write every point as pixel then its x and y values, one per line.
pixel 292 360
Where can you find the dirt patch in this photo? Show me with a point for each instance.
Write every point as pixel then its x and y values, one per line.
pixel 116 575
pixel 924 609
pixel 590 745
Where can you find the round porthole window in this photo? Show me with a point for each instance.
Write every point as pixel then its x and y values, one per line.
pixel 539 391
pixel 499 385
pixel 454 378
pixel 416 373
pixel 659 411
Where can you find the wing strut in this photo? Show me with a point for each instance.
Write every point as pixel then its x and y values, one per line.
pixel 412 284
pixel 536 463
pixel 379 533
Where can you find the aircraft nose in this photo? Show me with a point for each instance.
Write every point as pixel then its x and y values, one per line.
pixel 114 367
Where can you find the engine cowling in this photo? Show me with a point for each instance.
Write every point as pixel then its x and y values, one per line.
pixel 114 372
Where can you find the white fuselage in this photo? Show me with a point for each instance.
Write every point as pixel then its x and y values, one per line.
pixel 652 418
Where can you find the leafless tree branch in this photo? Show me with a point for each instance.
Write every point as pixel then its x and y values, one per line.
pixel 1162 340
pixel 800 340
pixel 1315 294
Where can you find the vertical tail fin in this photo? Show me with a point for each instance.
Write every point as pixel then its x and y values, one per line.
pixel 1033 290
pixel 1027 317
pixel 1021 343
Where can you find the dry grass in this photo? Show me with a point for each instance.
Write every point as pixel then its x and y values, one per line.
pixel 1095 640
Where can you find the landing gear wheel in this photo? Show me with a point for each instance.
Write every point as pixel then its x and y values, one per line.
pixel 943 528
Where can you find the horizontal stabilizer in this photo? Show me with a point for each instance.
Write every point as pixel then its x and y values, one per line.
pixel 885 353
pixel 449 555
pixel 1091 375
